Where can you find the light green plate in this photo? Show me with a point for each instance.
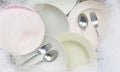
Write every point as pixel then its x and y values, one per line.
pixel 79 49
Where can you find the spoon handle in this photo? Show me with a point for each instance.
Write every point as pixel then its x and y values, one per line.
pixel 39 62
pixel 97 30
pixel 30 59
pixel 84 32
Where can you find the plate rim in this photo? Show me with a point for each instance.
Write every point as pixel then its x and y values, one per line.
pixel 20 7
pixel 78 38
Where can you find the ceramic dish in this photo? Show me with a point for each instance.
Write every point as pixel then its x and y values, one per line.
pixel 64 5
pixel 79 50
pixel 54 19
pixel 58 65
pixel 21 29
pixel 86 7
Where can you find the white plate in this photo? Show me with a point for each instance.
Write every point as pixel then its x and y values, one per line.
pixel 64 5
pixel 54 19
pixel 79 50
pixel 58 65
pixel 21 29
pixel 87 7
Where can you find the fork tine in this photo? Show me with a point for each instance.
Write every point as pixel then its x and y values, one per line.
pixel 94 20
pixel 93 16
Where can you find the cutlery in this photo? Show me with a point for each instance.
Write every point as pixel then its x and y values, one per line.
pixel 94 20
pixel 42 50
pixel 49 56
pixel 83 22
pixel 78 1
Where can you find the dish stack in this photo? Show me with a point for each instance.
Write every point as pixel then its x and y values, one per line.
pixel 72 28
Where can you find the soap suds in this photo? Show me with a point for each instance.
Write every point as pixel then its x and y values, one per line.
pixel 110 45
pixel 5 66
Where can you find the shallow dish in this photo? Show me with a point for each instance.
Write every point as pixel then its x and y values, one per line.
pixel 54 19
pixel 87 7
pixel 64 5
pixel 79 50
pixel 21 29
pixel 58 65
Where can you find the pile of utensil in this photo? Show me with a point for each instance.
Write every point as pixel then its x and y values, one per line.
pixel 49 55
pixel 83 22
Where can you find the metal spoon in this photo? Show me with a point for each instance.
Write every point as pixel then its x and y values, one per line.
pixel 49 57
pixel 83 22
pixel 41 50
pixel 95 22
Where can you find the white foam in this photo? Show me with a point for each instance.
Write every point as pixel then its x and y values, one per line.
pixel 5 66
pixel 110 46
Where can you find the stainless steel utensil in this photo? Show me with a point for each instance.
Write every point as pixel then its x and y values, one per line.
pixel 94 20
pixel 83 22
pixel 78 1
pixel 49 57
pixel 41 50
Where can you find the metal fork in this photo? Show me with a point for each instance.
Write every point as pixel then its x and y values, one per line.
pixel 95 22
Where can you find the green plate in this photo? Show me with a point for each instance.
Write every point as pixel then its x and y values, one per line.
pixel 79 49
